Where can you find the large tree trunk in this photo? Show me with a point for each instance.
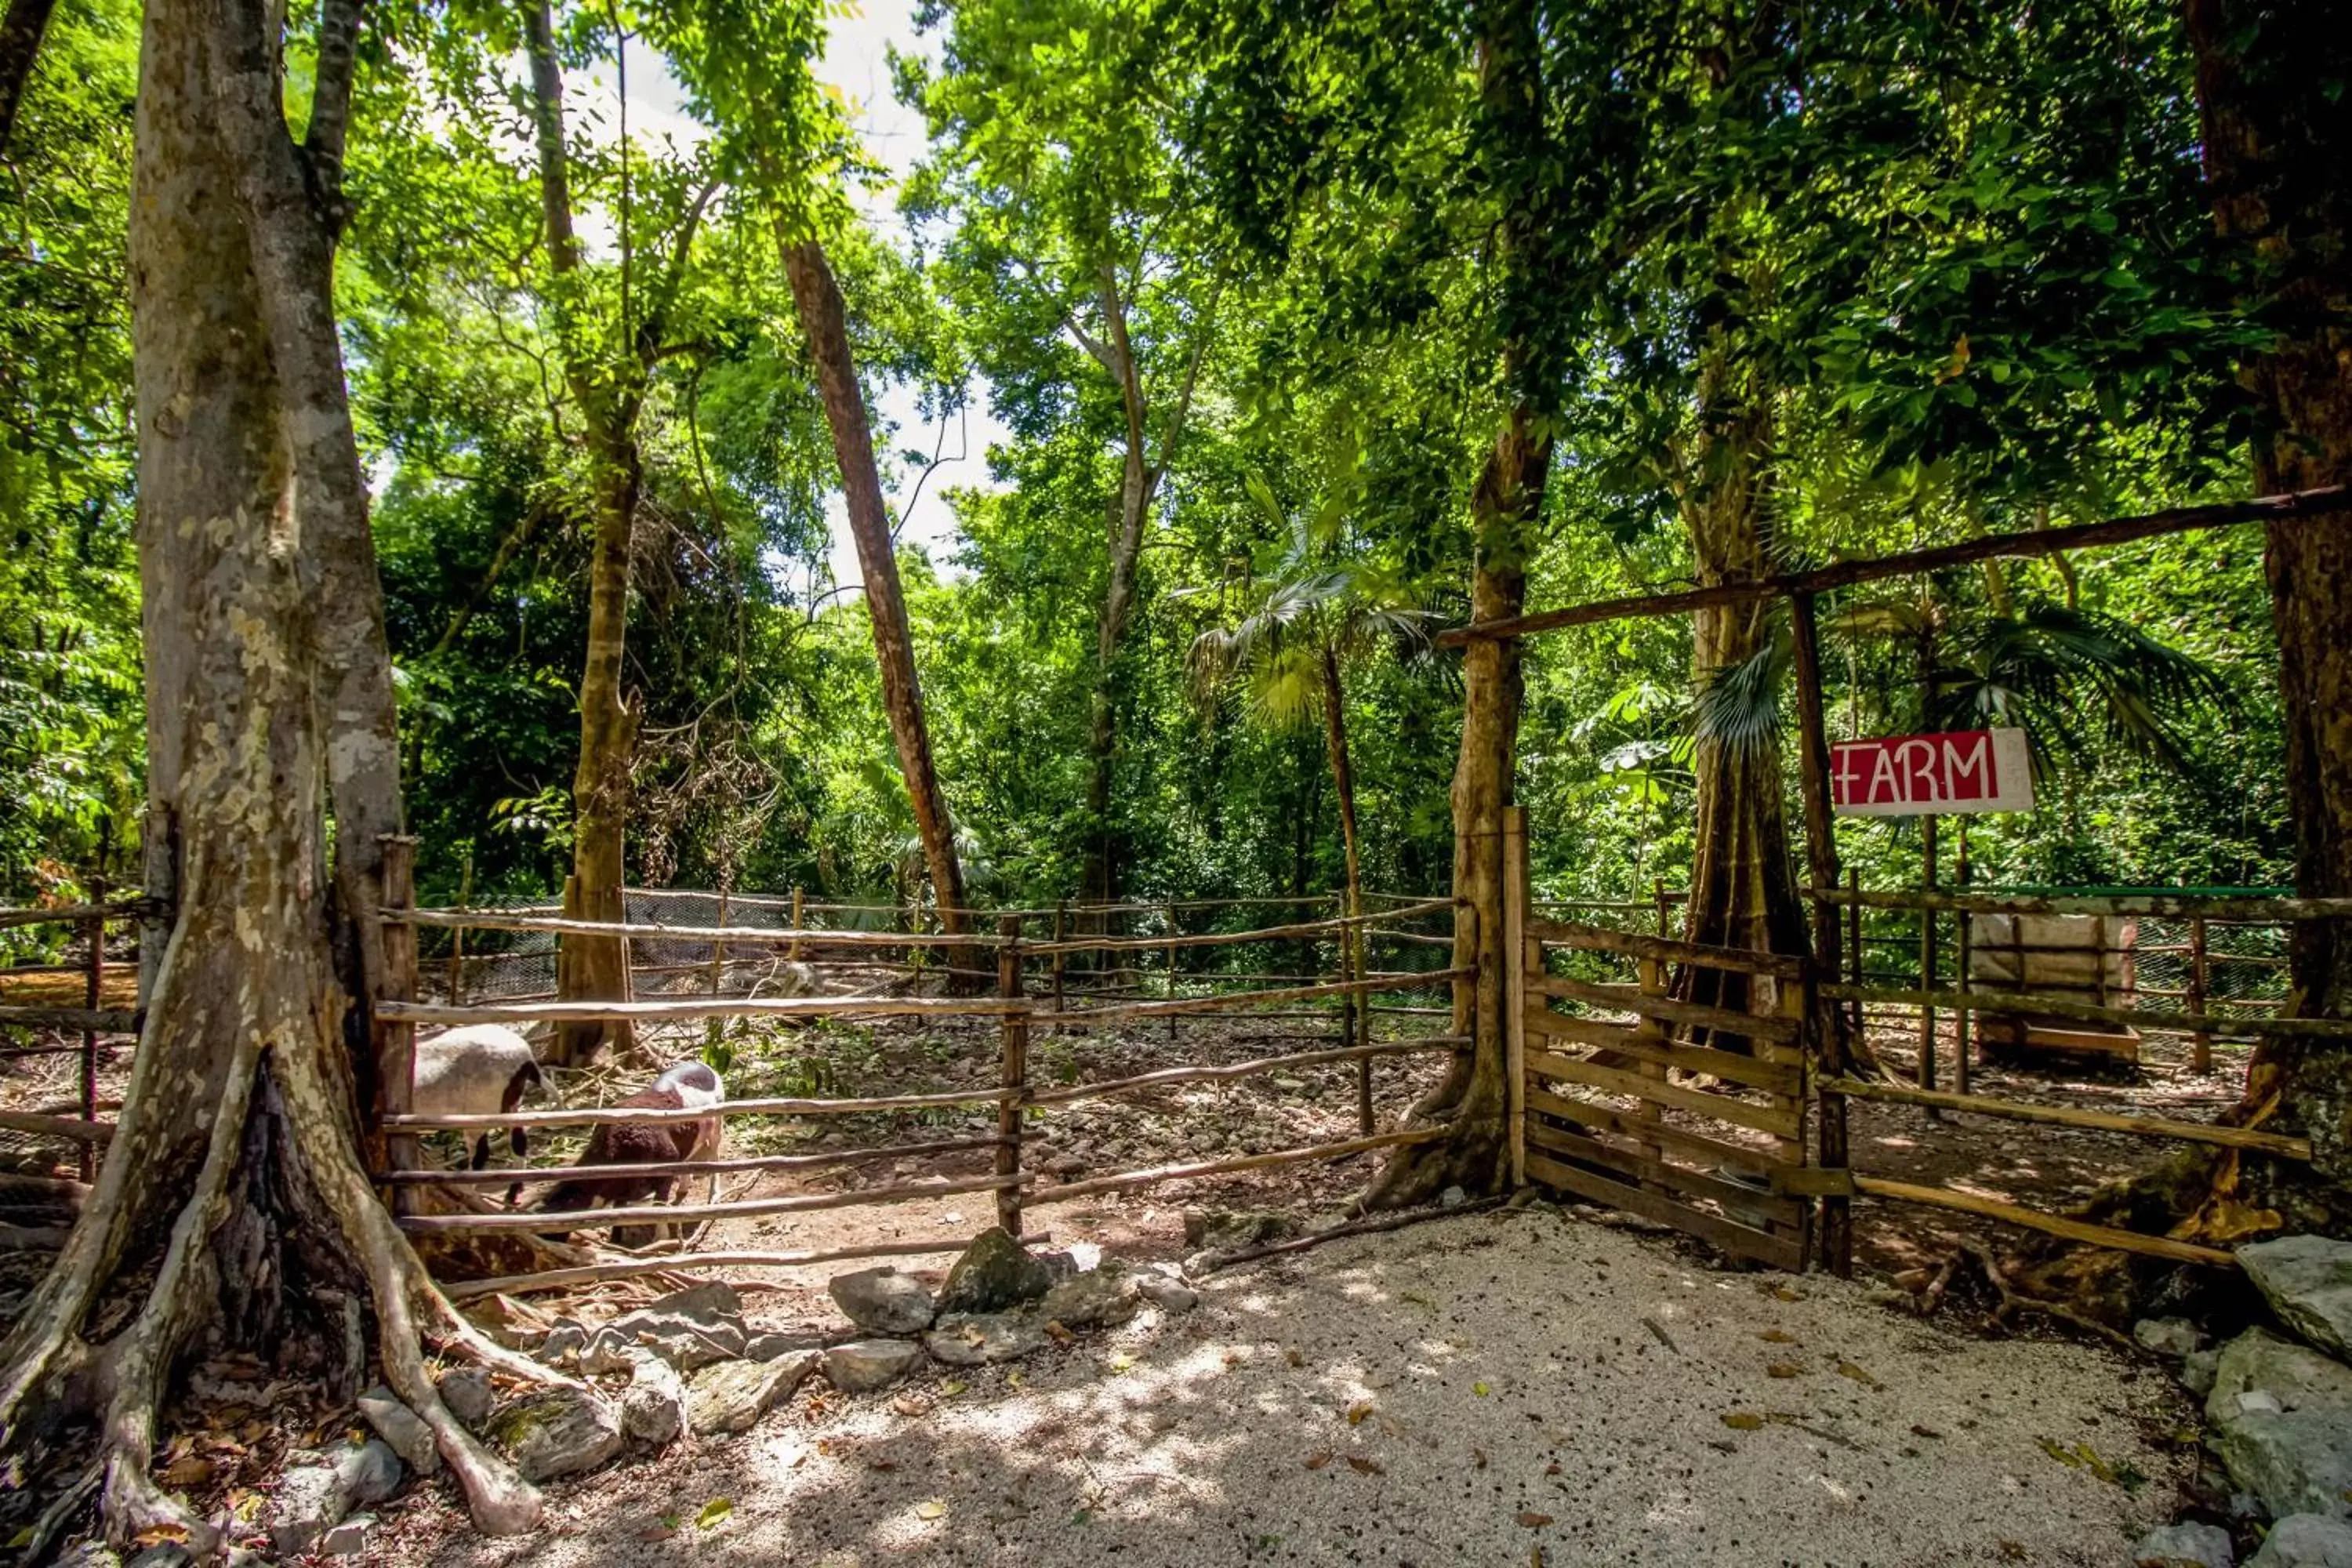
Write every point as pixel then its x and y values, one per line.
pixel 2277 143
pixel 1126 551
pixel 591 968
pixel 232 1205
pixel 824 323
pixel 1743 893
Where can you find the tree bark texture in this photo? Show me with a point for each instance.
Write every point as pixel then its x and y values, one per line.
pixel 2278 139
pixel 591 968
pixel 21 31
pixel 232 1208
pixel 1743 893
pixel 823 321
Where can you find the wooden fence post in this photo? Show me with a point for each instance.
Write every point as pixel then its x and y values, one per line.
pixel 159 870
pixel 1522 956
pixel 455 985
pixel 719 950
pixel 1821 862
pixel 2200 1043
pixel 94 991
pixel 1963 1023
pixel 1665 908
pixel 1928 959
pixel 1857 947
pixel 1014 1074
pixel 396 1043
pixel 1171 914
pixel 1061 930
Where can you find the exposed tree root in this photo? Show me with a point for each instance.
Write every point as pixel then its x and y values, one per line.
pixel 2014 1300
pixel 500 1501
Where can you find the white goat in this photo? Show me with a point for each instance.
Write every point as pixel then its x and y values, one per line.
pixel 477 1070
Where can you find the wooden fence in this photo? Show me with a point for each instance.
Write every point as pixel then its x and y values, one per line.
pixel 1022 964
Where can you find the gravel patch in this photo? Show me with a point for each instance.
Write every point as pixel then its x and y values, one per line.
pixel 1518 1387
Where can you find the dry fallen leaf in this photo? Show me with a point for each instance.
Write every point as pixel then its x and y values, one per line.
pixel 1318 1459
pixel 1357 1411
pixel 1535 1520
pixel 1847 1369
pixel 188 1471
pixel 1778 1337
pixel 1783 1293
pixel 1744 1421
pixel 930 1507
pixel 1919 1431
pixel 1553 1468
pixel 1784 1369
pixel 1364 1466
pixel 909 1405
pixel 1294 1357
pixel 1478 1457
pixel 714 1514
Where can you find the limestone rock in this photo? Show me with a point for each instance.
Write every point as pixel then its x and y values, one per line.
pixel 2198 1370
pixel 1223 1230
pixel 690 1341
pixel 1077 1257
pixel 862 1366
pixel 2307 1280
pixel 708 1302
pixel 732 1395
pixel 2283 1420
pixel 883 1300
pixel 2168 1336
pixel 467 1391
pixel 2298 1377
pixel 2305 1541
pixel 1093 1300
pixel 2184 1546
pixel 399 1426
pixel 770 1345
pixel 1453 1198
pixel 564 1339
pixel 994 1274
pixel 556 1432
pixel 1165 1291
pixel 653 1407
pixel 310 1501
pixel 985 1339
pixel 368 1472
pixel 352 1538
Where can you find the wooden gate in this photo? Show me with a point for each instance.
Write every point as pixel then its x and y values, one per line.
pixel 1618 1106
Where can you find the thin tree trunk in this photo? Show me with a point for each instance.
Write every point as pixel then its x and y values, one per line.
pixel 2277 143
pixel 232 1202
pixel 1119 597
pixel 1343 772
pixel 591 968
pixel 824 323
pixel 21 31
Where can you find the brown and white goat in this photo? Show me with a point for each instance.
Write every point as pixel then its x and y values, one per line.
pixel 684 1087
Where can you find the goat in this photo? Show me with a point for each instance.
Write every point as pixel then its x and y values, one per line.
pixel 684 1087
pixel 474 1071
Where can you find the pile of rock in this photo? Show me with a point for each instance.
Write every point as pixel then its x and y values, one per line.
pixel 1000 1303
pixel 2281 1411
pixel 688 1362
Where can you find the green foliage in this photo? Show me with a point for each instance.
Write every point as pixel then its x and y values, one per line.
pixel 1915 272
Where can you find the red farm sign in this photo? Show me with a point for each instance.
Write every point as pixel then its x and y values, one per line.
pixel 1919 776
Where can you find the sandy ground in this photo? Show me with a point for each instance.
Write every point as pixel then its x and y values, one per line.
pixel 1513 1387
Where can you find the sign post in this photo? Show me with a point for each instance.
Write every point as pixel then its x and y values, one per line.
pixel 1925 775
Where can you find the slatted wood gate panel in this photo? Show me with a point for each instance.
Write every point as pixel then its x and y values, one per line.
pixel 1720 1154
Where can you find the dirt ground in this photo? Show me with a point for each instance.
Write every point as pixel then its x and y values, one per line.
pixel 1516 1386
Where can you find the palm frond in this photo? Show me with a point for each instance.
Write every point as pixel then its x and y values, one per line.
pixel 1739 708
